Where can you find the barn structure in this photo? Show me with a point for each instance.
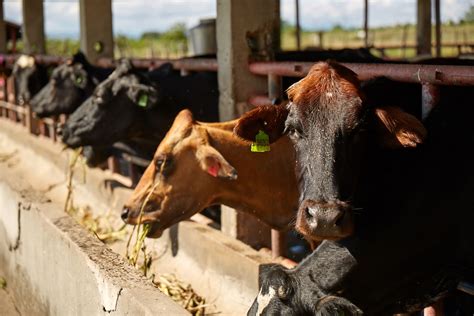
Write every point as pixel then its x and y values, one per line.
pixel 248 36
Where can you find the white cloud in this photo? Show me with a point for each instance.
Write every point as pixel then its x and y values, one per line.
pixel 133 17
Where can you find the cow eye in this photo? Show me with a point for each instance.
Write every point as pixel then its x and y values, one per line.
pixel 292 132
pixel 163 164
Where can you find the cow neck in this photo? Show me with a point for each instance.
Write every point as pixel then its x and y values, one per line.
pixel 259 174
pixel 152 124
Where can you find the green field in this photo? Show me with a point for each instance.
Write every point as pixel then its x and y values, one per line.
pixel 385 36
pixel 173 43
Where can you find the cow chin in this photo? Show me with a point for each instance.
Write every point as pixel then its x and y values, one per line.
pixel 310 228
pixel 155 230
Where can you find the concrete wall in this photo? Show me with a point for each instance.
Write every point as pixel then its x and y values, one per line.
pixel 246 30
pixel 96 28
pixel 33 27
pixel 54 267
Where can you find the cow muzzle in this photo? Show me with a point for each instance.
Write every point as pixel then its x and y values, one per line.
pixel 325 220
pixel 133 218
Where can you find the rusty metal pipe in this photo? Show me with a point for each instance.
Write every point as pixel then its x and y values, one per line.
pixel 278 243
pixel 435 74
pixel 186 64
pixel 259 100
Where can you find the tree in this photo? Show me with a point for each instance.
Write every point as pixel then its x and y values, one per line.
pixel 469 15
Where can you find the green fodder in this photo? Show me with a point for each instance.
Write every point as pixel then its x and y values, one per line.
pixel 100 225
pixel 178 291
pixel 182 293
pixel 3 283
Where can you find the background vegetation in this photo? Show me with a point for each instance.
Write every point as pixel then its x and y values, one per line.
pixel 173 43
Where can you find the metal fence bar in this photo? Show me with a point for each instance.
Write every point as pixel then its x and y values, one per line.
pixel 435 74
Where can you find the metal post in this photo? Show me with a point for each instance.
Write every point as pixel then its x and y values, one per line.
pixel 29 119
pixel 275 94
pixel 113 165
pixel 430 98
pixel 438 27
pixel 33 27
pixel 278 243
pixel 320 36
pixel 366 23
pixel 298 28
pixel 132 171
pixel 423 27
pixel 3 31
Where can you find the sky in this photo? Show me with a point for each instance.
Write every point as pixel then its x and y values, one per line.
pixel 133 17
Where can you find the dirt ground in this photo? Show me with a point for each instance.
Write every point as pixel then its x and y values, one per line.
pixel 7 308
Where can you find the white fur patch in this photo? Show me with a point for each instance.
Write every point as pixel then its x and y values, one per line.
pixel 264 300
pixel 329 94
pixel 25 61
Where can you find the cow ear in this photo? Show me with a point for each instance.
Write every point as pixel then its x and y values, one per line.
pixel 212 162
pixel 270 119
pixel 78 58
pixel 143 96
pixel 397 128
pixel 334 305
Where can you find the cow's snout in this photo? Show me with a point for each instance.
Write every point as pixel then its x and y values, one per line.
pixel 125 213
pixel 325 220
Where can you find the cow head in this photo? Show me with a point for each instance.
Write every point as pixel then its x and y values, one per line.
pixel 182 179
pixel 115 107
pixel 70 84
pixel 29 78
pixel 282 292
pixel 331 127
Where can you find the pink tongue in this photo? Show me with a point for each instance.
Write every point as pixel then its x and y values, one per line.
pixel 213 170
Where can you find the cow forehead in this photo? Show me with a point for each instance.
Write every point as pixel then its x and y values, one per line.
pixel 179 131
pixel 327 85
pixel 25 61
pixel 264 299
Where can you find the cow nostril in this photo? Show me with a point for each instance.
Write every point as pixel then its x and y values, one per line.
pixel 124 214
pixel 339 218
pixel 310 211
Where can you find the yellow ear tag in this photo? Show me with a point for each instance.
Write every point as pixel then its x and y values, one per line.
pixel 262 143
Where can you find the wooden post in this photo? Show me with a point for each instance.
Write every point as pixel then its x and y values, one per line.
pixel 96 29
pixel 423 27
pixel 3 31
pixel 366 23
pixel 438 27
pixel 298 28
pixel 245 28
pixel 33 27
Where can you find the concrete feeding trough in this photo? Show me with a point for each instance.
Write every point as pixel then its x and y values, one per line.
pixel 61 268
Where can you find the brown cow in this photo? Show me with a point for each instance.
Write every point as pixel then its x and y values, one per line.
pixel 202 164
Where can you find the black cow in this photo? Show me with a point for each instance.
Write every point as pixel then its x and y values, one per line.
pixel 132 104
pixel 71 84
pixel 412 240
pixel 29 77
